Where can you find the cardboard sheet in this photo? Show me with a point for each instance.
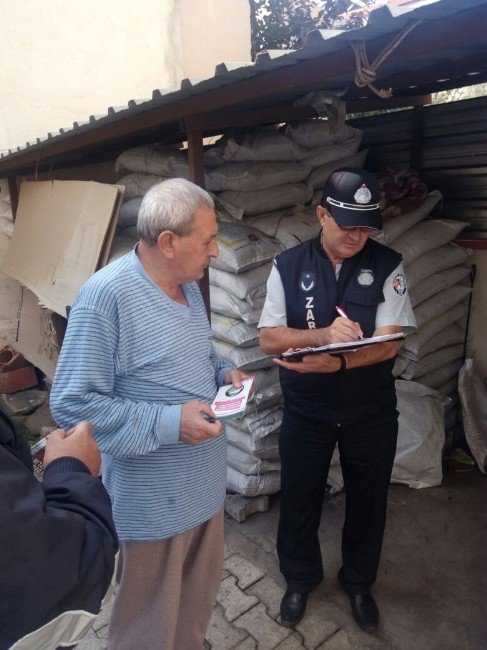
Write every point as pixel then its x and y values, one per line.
pixel 63 232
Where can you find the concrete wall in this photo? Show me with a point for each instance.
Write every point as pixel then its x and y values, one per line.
pixel 64 60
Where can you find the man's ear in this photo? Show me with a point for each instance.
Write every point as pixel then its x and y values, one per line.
pixel 320 213
pixel 166 243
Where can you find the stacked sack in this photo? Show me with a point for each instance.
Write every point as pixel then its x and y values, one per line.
pixel 10 289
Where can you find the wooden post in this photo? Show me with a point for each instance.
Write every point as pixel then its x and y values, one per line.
pixel 197 175
pixel 416 138
pixel 14 195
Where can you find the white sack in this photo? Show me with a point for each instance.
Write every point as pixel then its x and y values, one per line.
pixel 154 159
pixel 403 367
pixel 252 486
pixel 434 261
pixel 224 303
pixel 6 227
pixel 243 248
pixel 316 133
pixel 330 153
pixel 437 359
pixel 6 209
pixel 449 387
pixel 248 284
pixel 270 396
pixel 243 358
pixel 319 176
pixel 265 378
pixel 451 335
pixel 273 198
pixel 137 184
pixel 234 330
pixel 414 344
pixel 253 176
pixel 249 465
pixel 473 396
pixel 396 226
pixel 425 237
pixel 440 376
pixel 267 447
pixel 121 245
pixel 441 302
pixel 437 282
pixel 290 227
pixel 260 423
pixel 418 460
pixel 127 217
pixel 264 145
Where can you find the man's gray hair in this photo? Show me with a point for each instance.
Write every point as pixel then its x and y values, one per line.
pixel 170 205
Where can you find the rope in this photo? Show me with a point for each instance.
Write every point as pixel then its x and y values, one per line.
pixel 366 72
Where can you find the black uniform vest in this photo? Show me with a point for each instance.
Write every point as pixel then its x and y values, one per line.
pixel 312 293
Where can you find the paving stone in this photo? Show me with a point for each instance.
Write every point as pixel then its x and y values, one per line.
pixel 262 627
pixel 239 507
pixel 221 635
pixel 246 572
pixel 339 641
pixel 269 593
pixel 233 600
pixel 25 401
pixel 318 623
pixel 293 642
pixel 248 644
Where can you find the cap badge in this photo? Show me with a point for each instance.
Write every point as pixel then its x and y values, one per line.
pixel 362 195
pixel 365 277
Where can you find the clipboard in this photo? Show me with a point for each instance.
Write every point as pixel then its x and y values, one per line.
pixel 337 348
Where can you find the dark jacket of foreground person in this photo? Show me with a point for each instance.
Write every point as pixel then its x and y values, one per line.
pixel 57 547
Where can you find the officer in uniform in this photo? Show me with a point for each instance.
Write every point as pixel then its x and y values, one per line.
pixel 347 399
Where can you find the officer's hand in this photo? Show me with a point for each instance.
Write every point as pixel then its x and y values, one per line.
pixel 343 330
pixel 78 442
pixel 312 363
pixel 194 428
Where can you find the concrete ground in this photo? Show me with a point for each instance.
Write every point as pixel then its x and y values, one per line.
pixel 431 589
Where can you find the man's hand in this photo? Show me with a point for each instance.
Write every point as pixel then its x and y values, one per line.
pixel 343 330
pixel 194 428
pixel 236 378
pixel 312 363
pixel 78 443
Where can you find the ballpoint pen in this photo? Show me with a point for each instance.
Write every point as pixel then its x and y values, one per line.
pixel 343 313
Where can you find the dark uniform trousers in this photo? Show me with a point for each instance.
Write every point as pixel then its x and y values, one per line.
pixel 367 451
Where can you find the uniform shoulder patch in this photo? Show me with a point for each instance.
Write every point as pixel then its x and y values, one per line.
pixel 399 284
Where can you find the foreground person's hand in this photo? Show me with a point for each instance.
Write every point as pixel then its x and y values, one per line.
pixel 78 443
pixel 198 423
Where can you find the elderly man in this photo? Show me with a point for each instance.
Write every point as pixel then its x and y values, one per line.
pixel 138 362
pixel 347 399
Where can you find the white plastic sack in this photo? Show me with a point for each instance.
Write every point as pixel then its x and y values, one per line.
pixel 154 159
pixel 273 198
pixel 319 176
pixel 434 261
pixel 441 302
pixel 137 184
pixel 290 227
pixel 396 226
pixel 224 303
pixel 451 335
pixel 248 284
pixel 425 237
pixel 127 217
pixel 253 176
pixel 243 248
pixel 6 227
pixel 418 460
pixel 440 376
pixel 473 397
pixel 449 387
pixel 243 358
pixel 269 396
pixel 265 378
pixel 414 344
pixel 260 423
pixel 249 465
pixel 330 153
pixel 264 145
pixel 252 486
pixel 234 330
pixel 437 282
pixel 121 245
pixel 437 359
pixel 267 447
pixel 316 133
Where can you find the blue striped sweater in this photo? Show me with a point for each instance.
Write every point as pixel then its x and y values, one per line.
pixel 130 358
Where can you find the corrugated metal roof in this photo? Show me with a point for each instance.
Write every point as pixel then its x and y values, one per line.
pixel 385 21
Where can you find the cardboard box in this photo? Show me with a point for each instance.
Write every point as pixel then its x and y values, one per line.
pixel 63 233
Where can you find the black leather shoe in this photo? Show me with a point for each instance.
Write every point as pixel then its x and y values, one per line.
pixel 293 606
pixel 365 611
